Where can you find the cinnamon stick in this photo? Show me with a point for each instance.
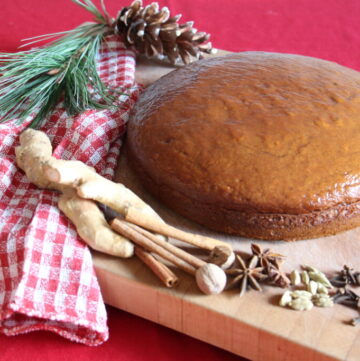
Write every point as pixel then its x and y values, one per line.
pixel 187 257
pixel 133 215
pixel 145 242
pixel 165 275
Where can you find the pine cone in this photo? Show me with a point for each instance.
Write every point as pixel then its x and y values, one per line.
pixel 153 32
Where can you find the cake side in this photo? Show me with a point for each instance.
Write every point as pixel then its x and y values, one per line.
pixel 266 226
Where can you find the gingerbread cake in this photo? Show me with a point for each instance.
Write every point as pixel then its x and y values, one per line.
pixel 257 144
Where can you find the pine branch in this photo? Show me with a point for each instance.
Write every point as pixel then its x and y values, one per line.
pixel 90 7
pixel 35 80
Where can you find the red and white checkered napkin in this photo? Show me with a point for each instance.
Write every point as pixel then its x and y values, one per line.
pixel 47 281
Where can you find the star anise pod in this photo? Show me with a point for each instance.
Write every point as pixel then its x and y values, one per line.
pixel 275 275
pixel 347 276
pixel 246 274
pixel 266 256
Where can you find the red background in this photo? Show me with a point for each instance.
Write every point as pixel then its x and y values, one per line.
pixel 328 29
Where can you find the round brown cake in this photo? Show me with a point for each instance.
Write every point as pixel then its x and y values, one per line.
pixel 257 144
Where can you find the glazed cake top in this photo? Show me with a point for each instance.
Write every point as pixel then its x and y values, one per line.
pixel 272 133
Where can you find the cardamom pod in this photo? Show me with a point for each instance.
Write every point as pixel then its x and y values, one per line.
pixel 301 304
pixel 301 293
pixel 320 277
pixel 305 278
pixel 312 287
pixel 321 288
pixel 285 299
pixel 322 300
pixel 309 268
pixel 295 277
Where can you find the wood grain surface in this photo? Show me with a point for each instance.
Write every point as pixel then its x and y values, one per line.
pixel 253 326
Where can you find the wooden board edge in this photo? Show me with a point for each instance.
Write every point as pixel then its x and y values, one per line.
pixel 211 327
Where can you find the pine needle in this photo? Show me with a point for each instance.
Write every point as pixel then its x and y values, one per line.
pixel 34 81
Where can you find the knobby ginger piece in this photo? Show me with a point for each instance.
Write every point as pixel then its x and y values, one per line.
pixel 91 185
pixel 34 152
pixel 34 157
pixel 92 226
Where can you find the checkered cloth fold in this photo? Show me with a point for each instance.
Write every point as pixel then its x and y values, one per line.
pixel 47 281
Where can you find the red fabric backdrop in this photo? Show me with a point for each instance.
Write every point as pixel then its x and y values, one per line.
pixel 328 29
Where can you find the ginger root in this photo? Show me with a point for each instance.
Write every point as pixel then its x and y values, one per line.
pixel 34 152
pixel 92 226
pixel 91 185
pixel 78 181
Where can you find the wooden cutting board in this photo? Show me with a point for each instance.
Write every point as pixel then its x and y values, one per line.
pixel 253 326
